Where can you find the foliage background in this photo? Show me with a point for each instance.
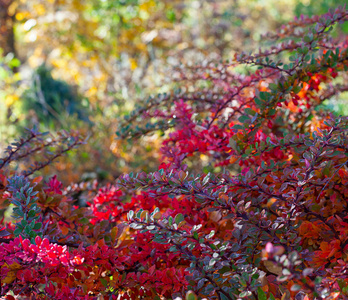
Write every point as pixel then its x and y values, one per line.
pixel 70 64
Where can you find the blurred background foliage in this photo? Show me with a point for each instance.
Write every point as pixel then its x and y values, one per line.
pixel 78 64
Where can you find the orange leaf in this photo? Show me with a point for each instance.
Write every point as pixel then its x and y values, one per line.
pixel 37 179
pixel 101 243
pixel 223 196
pixel 64 230
pixel 233 159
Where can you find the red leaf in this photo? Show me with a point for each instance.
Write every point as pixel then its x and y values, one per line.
pixel 152 270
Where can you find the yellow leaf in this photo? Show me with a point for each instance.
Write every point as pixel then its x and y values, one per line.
pixel 133 64
pixel 286 295
pixel 143 214
pixel 11 274
pixel 114 232
pixel 147 5
pixel 157 216
pixel 20 16
pixel 39 9
pixel 12 8
pixel 11 99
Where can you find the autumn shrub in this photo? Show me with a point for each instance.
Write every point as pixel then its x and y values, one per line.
pixel 271 225
pixel 113 53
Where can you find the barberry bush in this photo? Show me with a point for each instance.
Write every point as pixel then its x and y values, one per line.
pixel 271 225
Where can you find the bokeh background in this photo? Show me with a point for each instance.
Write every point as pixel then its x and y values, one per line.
pixel 83 65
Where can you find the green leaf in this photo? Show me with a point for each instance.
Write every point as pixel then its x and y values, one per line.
pixel 233 144
pixel 17 232
pixel 258 102
pixel 307 39
pixel 249 111
pixel 264 95
pixel 297 89
pixel 24 223
pixel 318 280
pixel 104 282
pixel 16 202
pixel 223 297
pixel 18 212
pixel 31 213
pixel 84 221
pixel 172 249
pixel 27 229
pixel 242 282
pixel 159 240
pixel 190 295
pixel 178 219
pixel 273 86
pixel 130 215
pixel 341 284
pixel 261 294
pixel 15 62
pixel 32 234
pixel 212 262
pixel 238 127
pixel 295 287
pixel 211 234
pixel 37 226
pixel 243 119
pixel 272 112
pixel 245 294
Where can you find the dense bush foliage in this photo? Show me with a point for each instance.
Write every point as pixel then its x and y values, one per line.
pixel 271 225
pixel 50 100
